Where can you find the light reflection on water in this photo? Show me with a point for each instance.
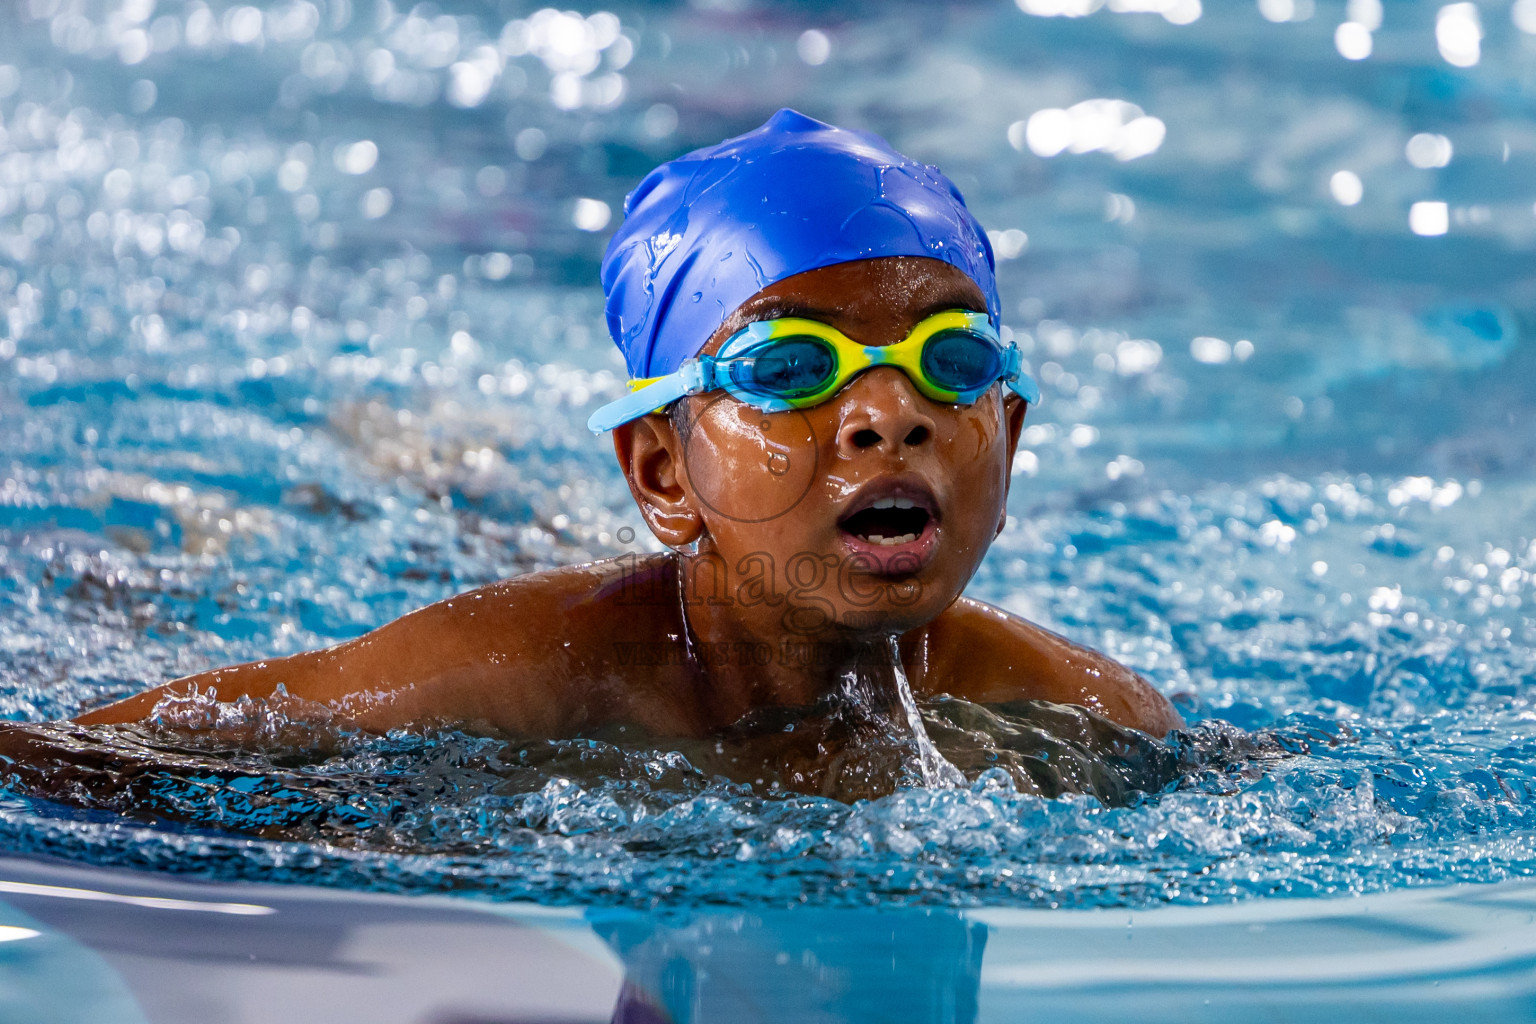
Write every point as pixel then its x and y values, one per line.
pixel 299 330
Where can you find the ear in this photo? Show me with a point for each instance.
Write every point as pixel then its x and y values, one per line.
pixel 651 455
pixel 1014 409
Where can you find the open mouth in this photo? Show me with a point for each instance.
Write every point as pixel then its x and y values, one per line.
pixel 888 522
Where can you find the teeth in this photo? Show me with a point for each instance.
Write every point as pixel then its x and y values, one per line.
pixel 905 538
pixel 903 502
pixel 894 503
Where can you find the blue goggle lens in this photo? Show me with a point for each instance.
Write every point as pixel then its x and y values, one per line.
pixel 787 368
pixel 960 360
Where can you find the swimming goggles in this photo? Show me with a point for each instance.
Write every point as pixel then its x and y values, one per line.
pixel 793 363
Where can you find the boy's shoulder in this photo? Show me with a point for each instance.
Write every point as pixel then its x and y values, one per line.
pixel 613 597
pixel 982 653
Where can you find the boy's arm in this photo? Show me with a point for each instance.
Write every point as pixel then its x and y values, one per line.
pixel 485 655
pixel 987 655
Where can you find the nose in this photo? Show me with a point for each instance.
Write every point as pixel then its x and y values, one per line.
pixel 883 409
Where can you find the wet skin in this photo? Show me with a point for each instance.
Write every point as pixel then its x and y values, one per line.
pixel 784 574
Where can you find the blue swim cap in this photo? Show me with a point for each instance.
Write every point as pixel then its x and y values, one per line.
pixel 707 231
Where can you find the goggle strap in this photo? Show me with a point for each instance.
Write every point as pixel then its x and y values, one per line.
pixel 689 379
pixel 1025 387
pixel 1019 382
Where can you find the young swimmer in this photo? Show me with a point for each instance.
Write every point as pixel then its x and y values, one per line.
pixel 820 429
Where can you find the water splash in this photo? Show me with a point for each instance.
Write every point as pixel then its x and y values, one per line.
pixel 936 770
pixel 625 819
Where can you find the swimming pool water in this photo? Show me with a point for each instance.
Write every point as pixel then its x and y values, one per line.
pixel 301 328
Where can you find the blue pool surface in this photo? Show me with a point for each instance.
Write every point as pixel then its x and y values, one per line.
pixel 300 327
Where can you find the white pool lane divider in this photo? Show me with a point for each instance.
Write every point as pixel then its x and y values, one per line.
pixel 92 946
pixel 1460 953
pixel 120 947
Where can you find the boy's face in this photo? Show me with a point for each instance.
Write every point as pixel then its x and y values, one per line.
pixel 866 513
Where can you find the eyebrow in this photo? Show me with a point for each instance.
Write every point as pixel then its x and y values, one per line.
pixel 773 307
pixel 953 301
